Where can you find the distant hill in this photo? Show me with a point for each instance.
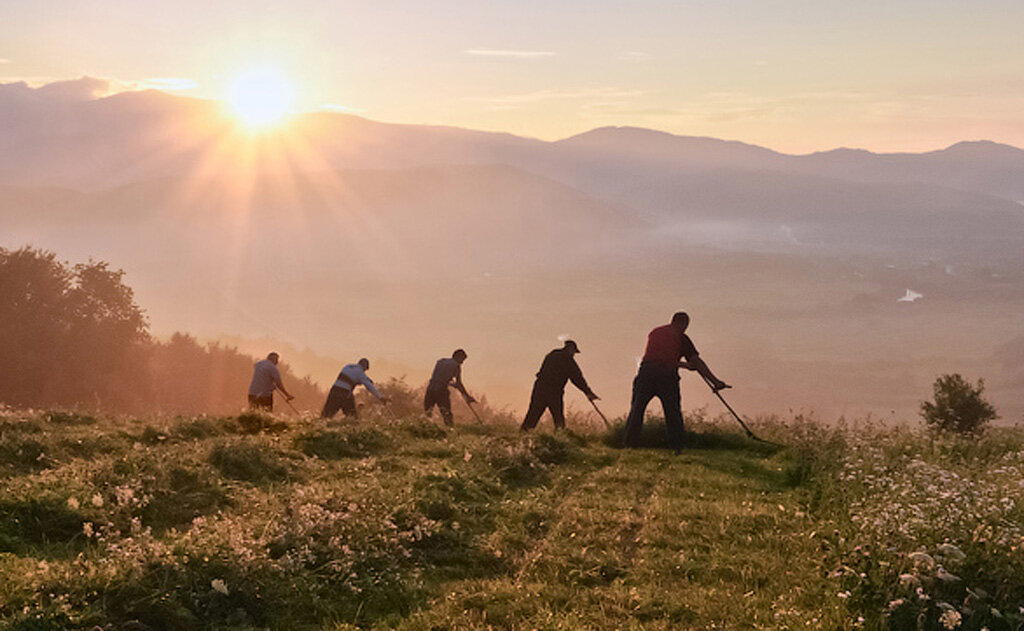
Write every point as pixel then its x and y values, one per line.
pixel 60 134
pixel 353 237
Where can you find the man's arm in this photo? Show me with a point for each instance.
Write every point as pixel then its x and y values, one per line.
pixel 457 384
pixel 697 364
pixel 368 383
pixel 576 376
pixel 280 384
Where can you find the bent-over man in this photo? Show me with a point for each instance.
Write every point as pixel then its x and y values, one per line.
pixel 341 395
pixel 265 379
pixel 658 376
pixel 447 373
pixel 558 368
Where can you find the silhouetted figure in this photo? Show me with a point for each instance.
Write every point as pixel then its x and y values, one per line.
pixel 447 372
pixel 558 368
pixel 265 378
pixel 341 394
pixel 659 377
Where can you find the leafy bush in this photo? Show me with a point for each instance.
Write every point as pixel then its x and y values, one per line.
pixel 958 407
pixel 80 341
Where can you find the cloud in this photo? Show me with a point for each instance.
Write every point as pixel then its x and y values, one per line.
pixel 92 88
pixel 552 95
pixel 5 61
pixel 633 55
pixel 170 84
pixel 512 54
pixel 81 89
pixel 604 108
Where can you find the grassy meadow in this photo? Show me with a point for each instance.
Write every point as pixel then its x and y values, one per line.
pixel 392 521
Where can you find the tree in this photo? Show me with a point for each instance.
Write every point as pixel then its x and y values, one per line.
pixel 68 334
pixel 72 335
pixel 958 406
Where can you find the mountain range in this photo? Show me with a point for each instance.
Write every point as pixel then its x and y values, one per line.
pixel 352 237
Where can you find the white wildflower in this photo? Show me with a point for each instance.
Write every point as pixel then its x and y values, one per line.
pixel 87 529
pixel 97 500
pixel 72 503
pixel 124 495
pixel 219 586
pixel 950 618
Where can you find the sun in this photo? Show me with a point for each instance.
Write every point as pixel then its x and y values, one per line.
pixel 260 97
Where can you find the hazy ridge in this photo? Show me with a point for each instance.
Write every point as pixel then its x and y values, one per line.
pixel 354 237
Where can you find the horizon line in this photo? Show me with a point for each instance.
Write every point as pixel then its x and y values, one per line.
pixel 118 87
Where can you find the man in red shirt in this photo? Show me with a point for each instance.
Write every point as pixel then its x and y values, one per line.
pixel 659 377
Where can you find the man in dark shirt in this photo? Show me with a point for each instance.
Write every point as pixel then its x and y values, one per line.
pixel 559 366
pixel 659 377
pixel 447 372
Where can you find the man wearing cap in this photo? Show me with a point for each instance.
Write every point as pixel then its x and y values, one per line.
pixel 558 368
pixel 658 376
pixel 265 378
pixel 447 372
pixel 341 394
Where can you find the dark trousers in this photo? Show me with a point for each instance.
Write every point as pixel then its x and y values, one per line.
pixel 545 397
pixel 438 394
pixel 339 399
pixel 655 381
pixel 261 403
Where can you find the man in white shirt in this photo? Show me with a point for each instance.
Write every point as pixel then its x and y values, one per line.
pixel 447 372
pixel 341 396
pixel 265 378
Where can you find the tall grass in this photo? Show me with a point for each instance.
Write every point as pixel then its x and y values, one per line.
pixel 256 521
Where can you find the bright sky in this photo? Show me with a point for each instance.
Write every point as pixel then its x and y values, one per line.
pixel 793 75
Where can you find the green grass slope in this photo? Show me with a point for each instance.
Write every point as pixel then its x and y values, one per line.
pixel 259 522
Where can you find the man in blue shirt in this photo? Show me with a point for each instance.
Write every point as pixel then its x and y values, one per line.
pixel 341 396
pixel 265 379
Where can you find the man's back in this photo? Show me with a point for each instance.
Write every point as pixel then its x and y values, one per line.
pixel 446 369
pixel 354 374
pixel 666 346
pixel 265 377
pixel 558 367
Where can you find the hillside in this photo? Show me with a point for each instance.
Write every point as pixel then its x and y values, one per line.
pixel 293 523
